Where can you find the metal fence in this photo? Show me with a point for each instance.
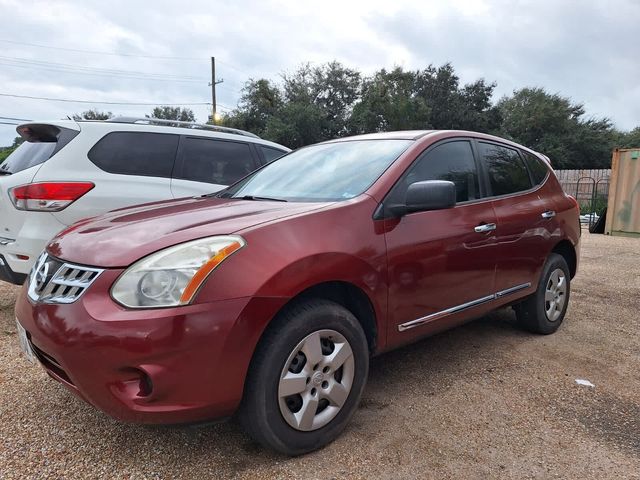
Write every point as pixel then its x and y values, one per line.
pixel 591 188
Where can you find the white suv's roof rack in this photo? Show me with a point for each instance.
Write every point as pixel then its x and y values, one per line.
pixel 177 123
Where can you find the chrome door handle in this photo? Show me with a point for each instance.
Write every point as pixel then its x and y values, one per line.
pixel 487 227
pixel 548 214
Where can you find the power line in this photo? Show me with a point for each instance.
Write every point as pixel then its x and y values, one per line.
pixel 129 77
pixel 104 103
pixel 97 52
pixel 7 123
pixel 13 118
pixel 31 61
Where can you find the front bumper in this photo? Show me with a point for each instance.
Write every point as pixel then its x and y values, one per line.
pixel 173 365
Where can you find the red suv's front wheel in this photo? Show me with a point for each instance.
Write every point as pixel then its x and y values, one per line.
pixel 306 378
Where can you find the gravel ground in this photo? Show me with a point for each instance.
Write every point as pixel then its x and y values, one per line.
pixel 485 400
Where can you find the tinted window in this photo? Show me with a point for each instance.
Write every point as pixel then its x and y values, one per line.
pixel 215 161
pixel 323 172
pixel 136 153
pixel 452 161
pixel 42 141
pixel 506 170
pixel 270 154
pixel 27 155
pixel 537 167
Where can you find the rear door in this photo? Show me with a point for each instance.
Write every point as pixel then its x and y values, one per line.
pixel 127 167
pixel 524 214
pixel 206 165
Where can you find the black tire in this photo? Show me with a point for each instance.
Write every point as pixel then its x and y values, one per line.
pixel 260 412
pixel 532 312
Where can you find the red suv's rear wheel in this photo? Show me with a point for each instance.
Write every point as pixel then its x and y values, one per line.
pixel 544 311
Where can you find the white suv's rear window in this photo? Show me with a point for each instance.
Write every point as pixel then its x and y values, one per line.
pixel 27 155
pixel 42 141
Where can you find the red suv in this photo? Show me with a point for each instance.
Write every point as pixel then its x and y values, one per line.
pixel 268 298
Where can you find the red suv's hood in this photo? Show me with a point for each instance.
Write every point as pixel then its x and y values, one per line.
pixel 119 238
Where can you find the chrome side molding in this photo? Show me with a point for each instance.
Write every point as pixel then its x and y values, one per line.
pixel 459 308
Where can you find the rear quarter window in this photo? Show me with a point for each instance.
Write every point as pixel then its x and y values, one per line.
pixel 537 167
pixel 271 154
pixel 136 153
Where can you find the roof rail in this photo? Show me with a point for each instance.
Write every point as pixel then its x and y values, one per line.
pixel 178 123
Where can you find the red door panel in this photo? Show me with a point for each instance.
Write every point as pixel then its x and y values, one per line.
pixel 524 238
pixel 436 261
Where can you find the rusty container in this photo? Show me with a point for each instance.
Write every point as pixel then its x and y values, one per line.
pixel 623 212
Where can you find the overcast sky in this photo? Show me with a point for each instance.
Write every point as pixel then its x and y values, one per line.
pixel 584 49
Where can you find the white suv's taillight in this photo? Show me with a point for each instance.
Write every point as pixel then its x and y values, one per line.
pixel 48 196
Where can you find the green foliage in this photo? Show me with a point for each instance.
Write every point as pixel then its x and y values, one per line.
pixel 552 124
pixel 93 115
pixel 6 151
pixel 320 103
pixel 173 113
pixel 629 139
pixel 389 102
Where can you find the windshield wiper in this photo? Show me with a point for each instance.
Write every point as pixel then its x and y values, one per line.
pixel 5 172
pixel 268 199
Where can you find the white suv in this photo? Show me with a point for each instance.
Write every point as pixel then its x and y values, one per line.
pixel 67 170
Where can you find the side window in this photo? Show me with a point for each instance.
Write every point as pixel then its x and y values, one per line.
pixel 451 161
pixel 537 167
pixel 505 168
pixel 270 154
pixel 136 153
pixel 215 161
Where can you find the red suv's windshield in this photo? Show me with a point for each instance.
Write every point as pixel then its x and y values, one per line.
pixel 325 172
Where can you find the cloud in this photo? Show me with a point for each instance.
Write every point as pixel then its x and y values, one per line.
pixel 585 50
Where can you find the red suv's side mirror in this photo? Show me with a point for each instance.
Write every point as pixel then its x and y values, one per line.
pixel 430 195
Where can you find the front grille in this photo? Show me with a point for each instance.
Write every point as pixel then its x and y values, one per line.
pixel 52 281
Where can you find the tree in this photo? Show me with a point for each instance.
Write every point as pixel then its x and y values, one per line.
pixel 389 102
pixel 629 139
pixel 6 151
pixel 260 101
pixel 93 115
pixel 555 126
pixel 455 107
pixel 173 113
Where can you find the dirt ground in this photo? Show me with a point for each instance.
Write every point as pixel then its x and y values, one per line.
pixel 483 401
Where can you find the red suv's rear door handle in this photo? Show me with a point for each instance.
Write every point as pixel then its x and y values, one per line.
pixel 487 227
pixel 548 214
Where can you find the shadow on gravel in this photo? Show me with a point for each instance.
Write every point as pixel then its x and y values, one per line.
pixel 425 368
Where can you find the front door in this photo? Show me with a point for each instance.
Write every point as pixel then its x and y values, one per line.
pixel 441 263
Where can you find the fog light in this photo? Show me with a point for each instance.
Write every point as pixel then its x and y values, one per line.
pixel 137 383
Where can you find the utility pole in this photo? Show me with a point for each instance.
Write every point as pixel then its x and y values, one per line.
pixel 213 84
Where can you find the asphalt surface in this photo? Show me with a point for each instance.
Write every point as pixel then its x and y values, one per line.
pixel 485 400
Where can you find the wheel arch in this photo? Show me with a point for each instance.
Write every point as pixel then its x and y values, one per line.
pixel 351 297
pixel 566 249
